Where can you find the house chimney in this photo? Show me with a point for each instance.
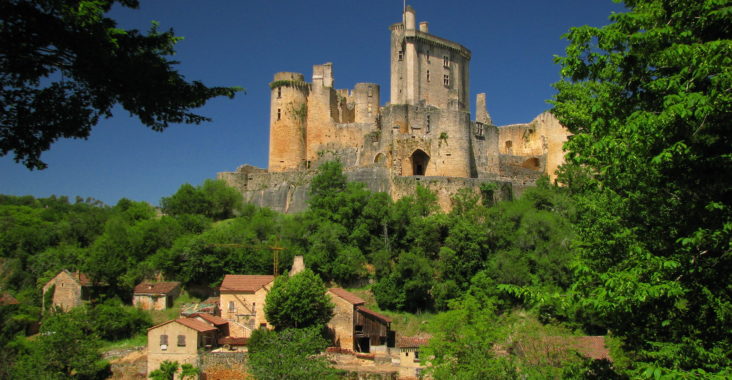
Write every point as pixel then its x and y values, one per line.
pixel 298 265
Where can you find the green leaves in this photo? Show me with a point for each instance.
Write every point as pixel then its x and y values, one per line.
pixel 298 302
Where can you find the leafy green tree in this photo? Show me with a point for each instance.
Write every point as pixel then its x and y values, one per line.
pixel 214 199
pixel 52 88
pixel 298 301
pixel 65 349
pixel 166 371
pixel 289 355
pixel 113 321
pixel 189 372
pixel 647 99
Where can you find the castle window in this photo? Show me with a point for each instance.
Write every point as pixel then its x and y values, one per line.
pixel 428 75
pixel 446 80
pixel 428 124
pixel 401 55
pixel 369 108
pixel 371 92
pixel 446 61
pixel 279 114
pixel 279 92
pixel 427 55
pixel 479 130
pixel 509 144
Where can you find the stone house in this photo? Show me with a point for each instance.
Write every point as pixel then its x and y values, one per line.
pixel 242 299
pixel 219 323
pixel 179 340
pixel 355 327
pixel 7 299
pixel 410 363
pixel 155 295
pixel 70 289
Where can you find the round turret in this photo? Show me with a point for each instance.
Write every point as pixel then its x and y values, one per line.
pixel 409 18
pixel 288 116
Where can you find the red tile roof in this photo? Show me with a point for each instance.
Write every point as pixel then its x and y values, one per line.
pixel 244 283
pixel 412 341
pixel 156 287
pixel 218 321
pixel 233 341
pixel 373 313
pixel 195 324
pixel 188 322
pixel 8 299
pixel 346 295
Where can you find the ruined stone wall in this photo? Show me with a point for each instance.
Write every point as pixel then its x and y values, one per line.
pixel 446 187
pixel 484 146
pixel 556 135
pixel 146 302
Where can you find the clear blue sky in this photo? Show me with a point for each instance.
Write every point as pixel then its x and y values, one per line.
pixel 243 43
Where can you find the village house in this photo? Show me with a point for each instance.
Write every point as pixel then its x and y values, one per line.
pixel 242 299
pixel 355 327
pixel 179 340
pixel 69 290
pixel 155 295
pixel 410 363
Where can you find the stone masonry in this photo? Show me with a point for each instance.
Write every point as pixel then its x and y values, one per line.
pixel 424 132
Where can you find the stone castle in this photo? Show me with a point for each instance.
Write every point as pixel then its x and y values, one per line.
pixel 423 135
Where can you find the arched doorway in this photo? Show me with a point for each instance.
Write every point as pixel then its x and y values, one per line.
pixel 420 159
pixel 532 163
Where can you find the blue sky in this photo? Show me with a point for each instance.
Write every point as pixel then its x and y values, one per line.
pixel 243 43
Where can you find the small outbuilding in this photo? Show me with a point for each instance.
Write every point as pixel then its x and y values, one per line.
pixel 355 327
pixel 410 363
pixel 69 290
pixel 155 295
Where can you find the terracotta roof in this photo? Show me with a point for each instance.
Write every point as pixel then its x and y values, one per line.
pixel 156 287
pixel 346 295
pixel 8 299
pixel 218 321
pixel 195 324
pixel 233 341
pixel 373 313
pixel 244 283
pixel 412 341
pixel 188 322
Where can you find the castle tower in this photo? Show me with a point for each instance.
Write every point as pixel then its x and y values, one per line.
pixel 288 122
pixel 426 69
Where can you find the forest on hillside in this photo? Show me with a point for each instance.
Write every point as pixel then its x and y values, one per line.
pixel 633 241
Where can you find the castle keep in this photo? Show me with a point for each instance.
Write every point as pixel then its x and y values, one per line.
pixel 424 134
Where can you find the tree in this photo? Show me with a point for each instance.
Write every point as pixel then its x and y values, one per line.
pixel 64 349
pixel 53 86
pixel 289 355
pixel 166 371
pixel 298 301
pixel 214 199
pixel 648 101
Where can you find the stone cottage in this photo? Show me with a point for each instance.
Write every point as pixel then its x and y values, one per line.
pixel 155 295
pixel 410 363
pixel 355 327
pixel 179 340
pixel 70 289
pixel 242 300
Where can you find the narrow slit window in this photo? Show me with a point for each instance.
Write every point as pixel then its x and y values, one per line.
pixel 401 55
pixel 279 114
pixel 279 92
pixel 446 80
pixel 428 75
pixel 446 61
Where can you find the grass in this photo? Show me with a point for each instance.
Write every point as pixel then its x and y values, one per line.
pixel 405 324
pixel 136 341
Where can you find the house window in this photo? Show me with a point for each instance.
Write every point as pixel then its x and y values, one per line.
pixel 446 61
pixel 446 80
pixel 231 306
pixel 163 340
pixel 279 92
pixel 359 328
pixel 401 55
pixel 254 308
pixel 279 114
pixel 416 356
pixel 181 340
pixel 428 75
